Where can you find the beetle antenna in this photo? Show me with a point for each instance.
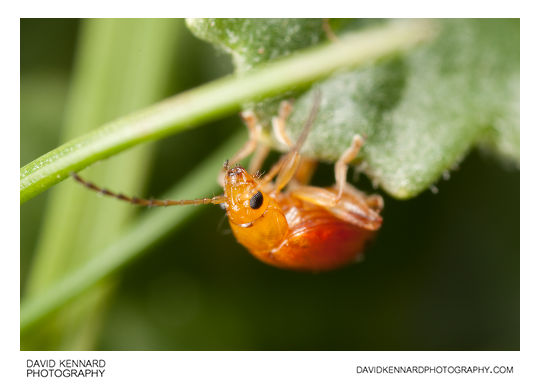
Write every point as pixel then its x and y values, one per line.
pixel 146 202
pixel 287 166
pixel 309 122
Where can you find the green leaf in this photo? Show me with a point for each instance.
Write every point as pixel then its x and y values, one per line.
pixel 255 41
pixel 420 113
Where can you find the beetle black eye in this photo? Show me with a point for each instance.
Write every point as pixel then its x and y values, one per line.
pixel 256 200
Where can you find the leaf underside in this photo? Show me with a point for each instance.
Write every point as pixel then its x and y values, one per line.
pixel 420 112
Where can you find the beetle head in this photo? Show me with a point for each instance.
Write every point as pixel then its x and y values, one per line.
pixel 245 201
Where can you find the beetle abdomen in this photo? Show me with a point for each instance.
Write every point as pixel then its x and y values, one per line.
pixel 318 241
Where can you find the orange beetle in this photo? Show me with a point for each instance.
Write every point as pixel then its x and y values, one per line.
pixel 302 228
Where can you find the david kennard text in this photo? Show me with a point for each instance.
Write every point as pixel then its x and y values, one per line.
pixel 65 368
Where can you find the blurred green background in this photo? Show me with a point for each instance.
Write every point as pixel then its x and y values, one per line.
pixel 442 275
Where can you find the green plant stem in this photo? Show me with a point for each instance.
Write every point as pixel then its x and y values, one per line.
pixel 217 99
pixel 139 237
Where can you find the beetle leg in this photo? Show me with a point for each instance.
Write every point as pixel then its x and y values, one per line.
pixel 286 167
pixel 375 202
pixel 305 170
pixel 306 166
pixel 254 131
pixel 279 122
pixel 258 158
pixel 343 200
pixel 341 166
pixel 288 164
pixel 357 208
